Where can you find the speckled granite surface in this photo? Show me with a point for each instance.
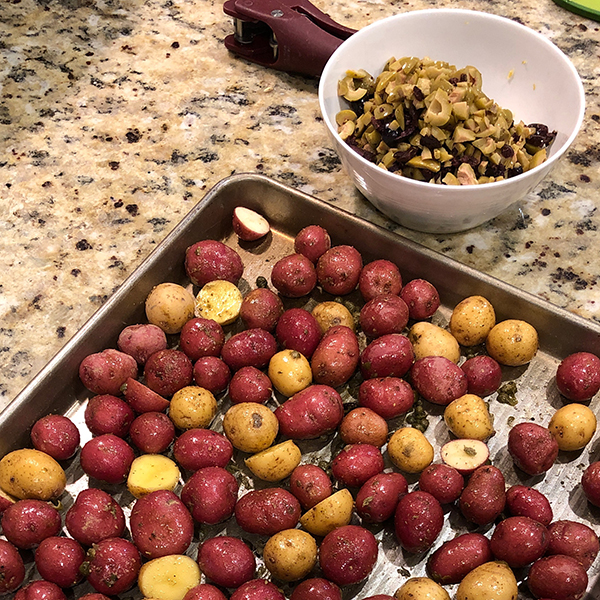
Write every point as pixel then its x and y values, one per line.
pixel 117 116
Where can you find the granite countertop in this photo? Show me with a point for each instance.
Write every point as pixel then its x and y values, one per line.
pixel 116 117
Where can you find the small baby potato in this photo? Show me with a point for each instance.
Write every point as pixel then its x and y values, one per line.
pixel 220 301
pixel 472 320
pixel 275 463
pixel 512 342
pixel 410 450
pixel 152 472
pixel 490 580
pixel 290 555
pixel 428 339
pixel 469 417
pixel 329 314
pixel 290 372
pixel 329 514
pixel 250 427
pixel 168 577
pixel 465 455
pixel 192 406
pixel 248 224
pixel 573 426
pixel 422 588
pixel 169 306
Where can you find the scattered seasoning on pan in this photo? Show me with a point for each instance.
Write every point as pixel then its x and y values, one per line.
pixel 417 417
pixel 507 393
pixel 261 282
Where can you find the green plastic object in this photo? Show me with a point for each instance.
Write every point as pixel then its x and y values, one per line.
pixel 585 8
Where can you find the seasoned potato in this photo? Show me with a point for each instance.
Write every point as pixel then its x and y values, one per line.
pixel 275 463
pixel 329 314
pixel 418 521
pixel 578 376
pixel 484 497
pixel 192 406
pixel 428 339
pixel 312 241
pixel 220 301
pixel 152 472
pixel 558 576
pixel 290 554
pixel 310 484
pixel 329 514
pixel 33 474
pixel 490 581
pixel 573 426
pixel 438 379
pixel 532 447
pixel 290 372
pixel 250 427
pixel 523 501
pixel 169 306
pixel 261 308
pixel 410 450
pixel 169 577
pixel 519 541
pixel 422 588
pixel 338 269
pixel 469 417
pixel 512 342
pixel 472 320
pixel 294 276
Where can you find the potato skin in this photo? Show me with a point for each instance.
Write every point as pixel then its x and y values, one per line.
pixel 59 560
pixel 294 276
pixel 297 329
pixel 410 450
pixel 336 357
pixel 167 371
pixel 55 435
pixel 227 561
pixel 418 521
pixel 204 591
pixel 490 580
pixel 201 337
pixel 44 590
pixel 519 541
pixel 468 417
pixel 364 426
pixel 438 379
pixel 357 463
pixel 578 376
pixel 484 496
pixel 428 339
pixel 290 554
pixel 257 589
pixel 107 458
pixel 275 463
pixel 443 482
pixel 310 484
pixel 261 308
pixel 590 482
pixel 523 501
pixel 108 414
pixel 331 513
pixel 532 448
pixel 330 314
pixel 169 306
pixel 251 347
pixel 152 432
pixel 27 522
pixel 141 341
pixel 197 448
pixel 290 372
pixel 421 297
pixel 383 315
pixel 389 397
pixel 191 407
pixel 105 372
pixel 574 539
pixel 484 375
pixel 13 568
pixel 422 588
pixel 338 269
pixel 250 427
pixel 312 241
pixel 209 260
pixel 378 497
pixel 316 588
pixel 141 398
pixel 380 277
pixel 512 342
pixel 559 577
pixel 471 321
pixel 387 356
pixel 250 384
pixel 267 511
pixel 573 426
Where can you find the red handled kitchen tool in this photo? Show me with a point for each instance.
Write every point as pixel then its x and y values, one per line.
pixel 287 35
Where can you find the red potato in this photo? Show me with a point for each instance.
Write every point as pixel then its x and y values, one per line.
pixel 55 435
pixel 455 558
pixel 94 596
pixel 257 589
pixel 558 577
pixel 27 522
pixel 532 447
pixel 438 380
pixel 356 464
pixel 338 270
pixel 590 482
pixel 383 315
pixel 519 541
pixel 364 426
pixel 250 384
pixel 210 495
pixel 380 277
pixel 418 521
pixel 465 455
pixel 113 567
pixel 94 516
pixel 197 448
pixel 249 348
pixel 201 337
pixel 267 511
pixel 261 308
pixel 226 561
pixel 59 560
pixel 12 568
pixel 209 260
pixel 316 588
pixel 310 484
pixel 312 241
pixel 205 591
pixel 105 372
pixel 5 501
pixel 161 525
pixel 152 432
pixel 484 375
pixel 484 496
pixel 348 554
pixel 389 397
pixel 40 590
pixel 107 458
pixel 141 341
pixel 167 371
pixel 443 482
pixel 422 299
pixel 380 597
pixel 212 374
pixel 336 357
pixel 311 413
pixel 297 329
pixel 249 225
pixel 378 497
pixel 523 501
pixel 574 539
pixel 578 376
pixel 141 398
pixel 108 414
pixel 294 276
pixel 387 356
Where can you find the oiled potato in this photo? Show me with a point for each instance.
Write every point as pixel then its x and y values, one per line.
pixel 169 306
pixel 472 320
pixel 290 372
pixel 33 474
pixel 329 514
pixel 192 406
pixel 421 588
pixel 169 577
pixel 573 426
pixel 329 314
pixel 410 450
pixel 490 581
pixel 152 472
pixel 469 417
pixel 290 554
pixel 275 463
pixel 428 339
pixel 250 427
pixel 512 342
pixel 220 301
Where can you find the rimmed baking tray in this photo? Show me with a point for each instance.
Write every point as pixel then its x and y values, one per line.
pixel 57 389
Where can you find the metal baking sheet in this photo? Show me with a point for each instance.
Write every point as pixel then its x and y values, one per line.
pixel 57 389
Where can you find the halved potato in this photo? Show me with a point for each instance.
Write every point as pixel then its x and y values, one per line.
pixel 275 463
pixel 169 577
pixel 152 472
pixel 220 301
pixel 331 513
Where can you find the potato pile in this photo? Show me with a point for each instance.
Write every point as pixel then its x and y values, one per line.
pixel 206 434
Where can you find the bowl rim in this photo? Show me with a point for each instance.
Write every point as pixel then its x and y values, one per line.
pixel 546 165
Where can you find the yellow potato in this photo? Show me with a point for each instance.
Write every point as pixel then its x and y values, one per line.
pixel 428 339
pixel 169 577
pixel 512 342
pixel 329 314
pixel 152 472
pixel 469 417
pixel 290 372
pixel 573 426
pixel 290 555
pixel 275 463
pixel 220 301
pixel 169 306
pixel 472 320
pixel 191 407
pixel 33 474
pixel 250 427
pixel 410 450
pixel 421 588
pixel 329 514
pixel 490 581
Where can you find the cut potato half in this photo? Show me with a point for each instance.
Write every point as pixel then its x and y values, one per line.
pixel 169 577
pixel 465 455
pixel 152 472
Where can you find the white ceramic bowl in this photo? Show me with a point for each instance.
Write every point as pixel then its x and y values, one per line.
pixel 521 70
